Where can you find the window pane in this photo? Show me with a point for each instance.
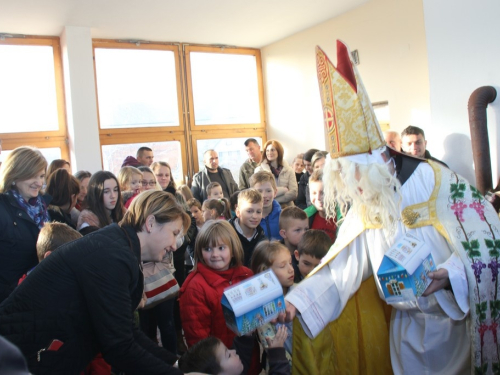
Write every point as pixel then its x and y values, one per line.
pixel 50 154
pixel 225 88
pixel 136 88
pixel 231 152
pixel 28 90
pixel 114 155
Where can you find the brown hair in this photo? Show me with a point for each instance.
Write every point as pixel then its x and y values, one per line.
pixel 221 206
pixel 264 254
pixel 186 191
pixel 53 235
pixel 291 213
pixel 55 165
pixel 201 357
pixel 194 202
pixel 278 146
pixel 61 186
pixel 212 185
pixel 316 176
pixel 81 175
pixel 95 202
pixel 318 156
pixel 315 243
pixel 162 205
pixel 262 177
pixel 21 164
pixel 213 233
pixel 249 195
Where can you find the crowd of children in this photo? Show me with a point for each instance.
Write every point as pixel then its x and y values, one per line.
pixel 226 244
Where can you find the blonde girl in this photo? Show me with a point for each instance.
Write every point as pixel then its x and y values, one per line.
pixel 218 259
pixel 214 209
pixel 163 173
pixel 129 179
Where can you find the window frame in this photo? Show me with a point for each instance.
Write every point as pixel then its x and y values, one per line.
pixel 146 134
pixel 187 49
pixel 44 138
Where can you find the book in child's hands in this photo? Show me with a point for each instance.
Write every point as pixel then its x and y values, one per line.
pixel 404 269
pixel 253 302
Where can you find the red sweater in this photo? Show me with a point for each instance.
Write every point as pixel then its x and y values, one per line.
pixel 200 303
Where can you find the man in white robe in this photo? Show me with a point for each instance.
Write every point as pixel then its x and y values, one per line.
pixel 428 336
pixel 453 327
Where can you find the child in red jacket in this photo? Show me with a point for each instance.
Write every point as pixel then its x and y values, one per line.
pixel 218 259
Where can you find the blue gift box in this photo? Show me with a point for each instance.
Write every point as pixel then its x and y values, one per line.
pixel 253 302
pixel 403 273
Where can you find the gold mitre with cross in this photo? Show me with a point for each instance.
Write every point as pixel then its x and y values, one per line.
pixel 349 117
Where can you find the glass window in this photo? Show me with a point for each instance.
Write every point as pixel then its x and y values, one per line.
pixel 114 155
pixel 28 100
pixel 50 154
pixel 136 88
pixel 231 152
pixel 225 88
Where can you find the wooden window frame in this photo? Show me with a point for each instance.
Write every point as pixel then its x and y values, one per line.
pixel 186 133
pixel 43 139
pixel 147 134
pixel 187 49
pixel 175 48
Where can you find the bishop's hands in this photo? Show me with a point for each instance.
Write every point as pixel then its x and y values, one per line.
pixel 440 280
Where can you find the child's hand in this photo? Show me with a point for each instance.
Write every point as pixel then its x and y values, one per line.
pixel 291 312
pixel 279 339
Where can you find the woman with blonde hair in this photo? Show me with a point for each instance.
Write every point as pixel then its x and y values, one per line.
pixel 86 292
pixel 163 174
pixel 23 212
pixel 272 161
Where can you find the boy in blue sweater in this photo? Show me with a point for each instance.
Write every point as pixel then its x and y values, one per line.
pixel 265 183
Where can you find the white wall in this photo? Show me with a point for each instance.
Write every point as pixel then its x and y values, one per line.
pixel 81 105
pixel 463 50
pixel 390 38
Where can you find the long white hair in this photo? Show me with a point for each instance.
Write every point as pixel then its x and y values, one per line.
pixel 371 190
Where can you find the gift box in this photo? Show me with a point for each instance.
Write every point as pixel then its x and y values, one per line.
pixel 253 302
pixel 403 273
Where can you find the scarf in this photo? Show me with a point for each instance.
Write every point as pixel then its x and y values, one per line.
pixel 35 208
pixel 276 171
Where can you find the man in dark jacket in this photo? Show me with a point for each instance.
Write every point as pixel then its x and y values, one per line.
pixel 80 301
pixel 414 143
pixel 212 173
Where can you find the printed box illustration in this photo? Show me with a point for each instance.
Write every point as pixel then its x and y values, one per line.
pixel 404 269
pixel 253 302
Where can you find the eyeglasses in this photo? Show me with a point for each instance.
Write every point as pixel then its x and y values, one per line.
pixel 146 183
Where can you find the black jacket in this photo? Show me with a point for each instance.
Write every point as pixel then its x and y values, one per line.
pixel 249 246
pixel 201 181
pixel 84 294
pixel 56 214
pixel 18 236
pixel 302 200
